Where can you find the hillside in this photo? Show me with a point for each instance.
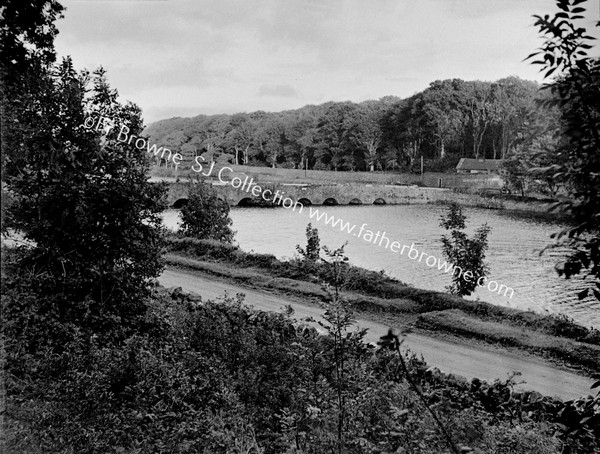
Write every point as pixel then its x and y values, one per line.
pixel 448 120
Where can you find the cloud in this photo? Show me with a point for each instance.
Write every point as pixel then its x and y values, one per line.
pixel 284 91
pixel 203 56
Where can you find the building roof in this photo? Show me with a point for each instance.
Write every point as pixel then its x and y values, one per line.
pixel 490 165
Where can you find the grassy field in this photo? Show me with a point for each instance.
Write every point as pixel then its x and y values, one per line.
pixel 277 175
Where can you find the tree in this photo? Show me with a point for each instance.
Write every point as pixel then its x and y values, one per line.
pixel 27 54
pixel 367 132
pixel 271 139
pixel 241 137
pixel 515 173
pixel 206 216
pixel 440 110
pixel 340 318
pixel 466 253
pixel 334 135
pixel 81 197
pixel 313 247
pixel 514 113
pixel 543 153
pixel 576 92
pixel 480 113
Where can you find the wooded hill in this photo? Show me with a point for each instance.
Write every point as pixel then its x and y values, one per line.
pixel 450 119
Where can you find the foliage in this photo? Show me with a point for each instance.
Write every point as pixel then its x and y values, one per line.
pixel 518 170
pixel 464 252
pixel 205 216
pixel 204 376
pixel 515 173
pixel 450 119
pixel 80 196
pixel 313 248
pixel 575 91
pixel 340 318
pixel 392 341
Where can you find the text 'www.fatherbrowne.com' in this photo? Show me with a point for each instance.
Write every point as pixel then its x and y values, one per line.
pixel 380 239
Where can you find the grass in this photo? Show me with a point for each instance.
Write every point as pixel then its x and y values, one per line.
pixel 372 293
pixel 458 323
pixel 278 175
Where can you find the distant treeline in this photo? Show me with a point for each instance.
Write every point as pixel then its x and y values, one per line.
pixel 450 119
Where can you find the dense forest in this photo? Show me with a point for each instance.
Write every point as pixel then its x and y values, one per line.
pixel 450 119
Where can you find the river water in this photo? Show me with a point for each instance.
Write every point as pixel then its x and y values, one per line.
pixel 513 254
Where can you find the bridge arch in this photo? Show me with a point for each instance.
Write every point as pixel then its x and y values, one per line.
pixel 246 202
pixel 379 201
pixel 330 201
pixel 355 201
pixel 305 202
pixel 179 203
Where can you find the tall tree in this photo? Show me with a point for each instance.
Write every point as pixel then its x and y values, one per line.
pixel 271 139
pixel 241 137
pixel 27 32
pixel 480 113
pixel 366 130
pixel 442 113
pixel 334 136
pixel 514 111
pixel 82 197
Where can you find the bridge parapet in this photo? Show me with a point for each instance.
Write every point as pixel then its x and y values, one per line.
pixel 327 194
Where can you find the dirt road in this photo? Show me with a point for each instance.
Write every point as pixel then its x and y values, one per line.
pixel 448 356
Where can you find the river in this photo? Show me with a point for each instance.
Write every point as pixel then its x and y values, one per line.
pixel 513 254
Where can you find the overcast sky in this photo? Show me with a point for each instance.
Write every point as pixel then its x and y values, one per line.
pixel 190 57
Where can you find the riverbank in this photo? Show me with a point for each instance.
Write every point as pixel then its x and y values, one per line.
pixel 374 295
pixel 524 207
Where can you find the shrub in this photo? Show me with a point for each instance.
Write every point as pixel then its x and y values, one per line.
pixel 464 252
pixel 313 247
pixel 206 216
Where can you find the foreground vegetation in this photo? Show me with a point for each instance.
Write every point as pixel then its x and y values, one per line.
pixel 218 377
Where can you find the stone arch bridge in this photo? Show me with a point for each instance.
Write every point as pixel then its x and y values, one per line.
pixel 311 194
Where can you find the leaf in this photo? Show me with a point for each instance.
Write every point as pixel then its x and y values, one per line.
pixel 531 56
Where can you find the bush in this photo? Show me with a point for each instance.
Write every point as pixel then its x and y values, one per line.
pixel 467 254
pixel 206 216
pixel 207 377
